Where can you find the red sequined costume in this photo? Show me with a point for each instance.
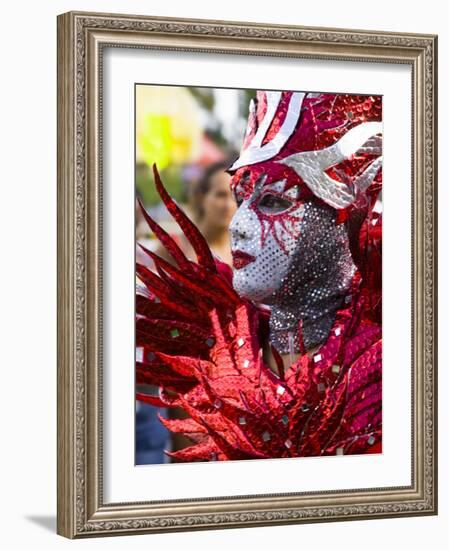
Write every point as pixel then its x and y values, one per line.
pixel 201 343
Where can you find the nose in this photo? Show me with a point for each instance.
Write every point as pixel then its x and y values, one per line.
pixel 240 234
pixel 238 231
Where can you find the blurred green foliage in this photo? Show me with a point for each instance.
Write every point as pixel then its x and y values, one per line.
pixel 171 176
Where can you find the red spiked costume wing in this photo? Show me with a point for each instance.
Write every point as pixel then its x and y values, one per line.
pixel 202 345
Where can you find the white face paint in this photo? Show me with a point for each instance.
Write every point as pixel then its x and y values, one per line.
pixel 264 234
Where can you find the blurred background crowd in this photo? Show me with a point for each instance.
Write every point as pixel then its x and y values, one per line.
pixel 193 135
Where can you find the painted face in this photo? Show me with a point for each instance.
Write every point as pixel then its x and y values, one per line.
pixel 264 236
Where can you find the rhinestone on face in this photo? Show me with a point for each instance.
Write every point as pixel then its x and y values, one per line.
pixel 335 369
pixel 240 342
pixel 266 436
pixel 348 299
pixel 371 440
pixel 242 420
pixel 284 419
pixel 174 333
pixel 288 443
pixel 305 407
pixel 210 342
pixel 280 390
pixel 218 403
pixel 317 357
pixel 340 451
pixel 321 387
pixel 246 363
pixel 337 331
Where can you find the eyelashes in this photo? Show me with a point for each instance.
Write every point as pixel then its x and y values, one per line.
pixel 269 201
pixel 273 204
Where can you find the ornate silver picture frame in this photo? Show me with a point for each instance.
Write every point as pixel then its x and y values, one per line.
pixel 83 511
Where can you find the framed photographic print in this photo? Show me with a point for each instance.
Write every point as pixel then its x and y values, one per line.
pixel 246 274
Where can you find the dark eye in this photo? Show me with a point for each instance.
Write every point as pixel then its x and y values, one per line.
pixel 272 204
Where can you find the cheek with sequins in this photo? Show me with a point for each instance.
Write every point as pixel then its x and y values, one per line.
pixel 262 246
pixel 284 227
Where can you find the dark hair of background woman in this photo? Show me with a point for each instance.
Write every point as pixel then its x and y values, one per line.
pixel 202 187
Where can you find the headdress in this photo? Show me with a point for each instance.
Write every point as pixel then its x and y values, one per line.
pixel 328 143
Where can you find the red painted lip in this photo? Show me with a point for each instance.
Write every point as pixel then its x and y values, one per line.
pixel 241 259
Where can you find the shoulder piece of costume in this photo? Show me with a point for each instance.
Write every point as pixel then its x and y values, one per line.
pixel 201 344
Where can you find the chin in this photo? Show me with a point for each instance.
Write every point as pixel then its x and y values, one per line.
pixel 246 288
